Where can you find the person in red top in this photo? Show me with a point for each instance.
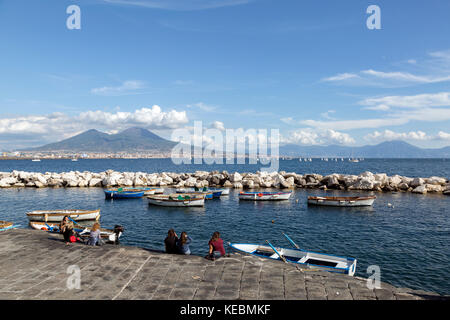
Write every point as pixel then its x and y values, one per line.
pixel 216 249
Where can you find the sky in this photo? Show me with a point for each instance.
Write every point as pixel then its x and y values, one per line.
pixel 311 69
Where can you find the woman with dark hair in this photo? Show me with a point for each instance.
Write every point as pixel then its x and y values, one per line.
pixel 216 249
pixel 171 241
pixel 183 243
pixel 66 228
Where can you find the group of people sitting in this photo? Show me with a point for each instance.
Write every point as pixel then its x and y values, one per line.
pixel 66 227
pixel 173 243
pixel 180 245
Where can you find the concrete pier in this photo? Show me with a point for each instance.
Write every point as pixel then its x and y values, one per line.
pixel 37 265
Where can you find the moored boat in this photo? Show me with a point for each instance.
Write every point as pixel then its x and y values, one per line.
pixel 58 215
pixel 259 196
pixel 6 225
pixel 307 259
pixel 159 190
pixel 147 190
pixel 121 193
pixel 208 194
pixel 83 231
pixel 177 200
pixel 342 201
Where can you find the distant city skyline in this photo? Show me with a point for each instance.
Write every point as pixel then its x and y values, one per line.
pixel 313 70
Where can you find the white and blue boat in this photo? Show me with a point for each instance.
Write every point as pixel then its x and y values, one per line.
pixel 6 225
pixel 307 259
pixel 261 196
pixel 123 194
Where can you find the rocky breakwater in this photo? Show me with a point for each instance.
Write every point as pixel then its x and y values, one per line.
pixel 280 180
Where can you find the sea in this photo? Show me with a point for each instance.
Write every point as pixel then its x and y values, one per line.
pixel 406 235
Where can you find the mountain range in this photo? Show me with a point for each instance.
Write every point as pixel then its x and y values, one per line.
pixel 130 140
pixel 142 140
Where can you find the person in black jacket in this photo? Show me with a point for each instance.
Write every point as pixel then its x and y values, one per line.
pixel 171 242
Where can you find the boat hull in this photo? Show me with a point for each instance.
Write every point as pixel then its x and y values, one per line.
pixel 6 225
pixel 58 215
pixel 113 194
pixel 165 201
pixel 265 196
pixel 341 201
pixel 306 259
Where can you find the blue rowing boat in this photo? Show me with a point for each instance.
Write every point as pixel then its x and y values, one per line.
pixel 123 194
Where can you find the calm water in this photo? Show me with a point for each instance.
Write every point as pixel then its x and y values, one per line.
pixel 405 167
pixel 410 242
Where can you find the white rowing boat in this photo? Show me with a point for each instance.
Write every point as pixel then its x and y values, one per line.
pixel 308 259
pixel 177 200
pixel 260 196
pixel 342 201
pixel 83 231
pixel 58 215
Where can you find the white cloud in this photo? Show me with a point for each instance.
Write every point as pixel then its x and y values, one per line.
pixel 354 124
pixel 341 77
pixel 435 69
pixel 127 87
pixel 440 99
pixel 391 135
pixel 202 106
pixel 218 125
pixel 308 136
pixel 388 135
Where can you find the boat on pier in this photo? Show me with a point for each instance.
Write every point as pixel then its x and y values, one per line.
pixel 306 259
pixel 83 231
pixel 6 225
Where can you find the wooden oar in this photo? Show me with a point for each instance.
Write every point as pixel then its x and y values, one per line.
pixel 290 240
pixel 273 248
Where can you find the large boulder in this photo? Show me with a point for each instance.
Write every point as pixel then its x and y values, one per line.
pixel 420 189
pixel 416 182
pixel 235 177
pixel 95 182
pixel 436 181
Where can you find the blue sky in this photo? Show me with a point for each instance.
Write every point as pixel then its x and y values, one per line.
pixel 312 69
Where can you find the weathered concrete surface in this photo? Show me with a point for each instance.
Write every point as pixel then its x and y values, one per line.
pixel 34 265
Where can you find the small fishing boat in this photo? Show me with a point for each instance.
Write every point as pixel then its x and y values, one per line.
pixel 159 190
pixel 121 193
pixel 58 215
pixel 177 200
pixel 307 259
pixel 223 192
pixel 83 231
pixel 36 160
pixel 342 201
pixel 6 225
pixel 259 196
pixel 147 190
pixel 208 194
pixel 216 193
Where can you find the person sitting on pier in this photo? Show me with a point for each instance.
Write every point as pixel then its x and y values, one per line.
pixel 171 242
pixel 216 249
pixel 94 237
pixel 66 228
pixel 183 243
